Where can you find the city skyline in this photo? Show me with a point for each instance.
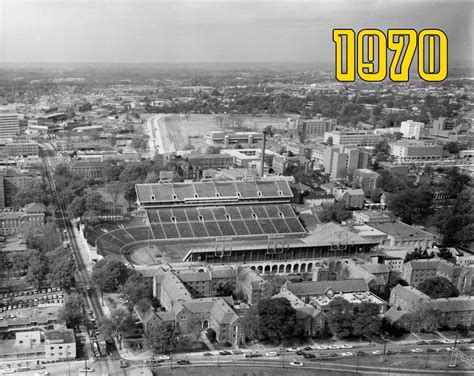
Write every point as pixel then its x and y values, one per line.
pixel 211 32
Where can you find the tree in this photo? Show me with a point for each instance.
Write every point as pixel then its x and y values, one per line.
pixel 340 317
pixel 277 318
pixel 445 253
pixel 38 269
pixel 418 254
pixel 347 319
pixel 334 212
pixel 137 288
pixel 213 150
pixel 272 286
pixel 463 330
pixel 119 324
pixel 412 205
pixel 61 272
pixel 94 203
pixel 438 287
pixel 211 335
pixel 77 207
pixel 73 311
pixel 162 337
pixel 109 274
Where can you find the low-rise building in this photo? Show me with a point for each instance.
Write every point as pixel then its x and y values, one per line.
pixel 351 198
pixel 231 137
pixel 250 283
pixel 415 151
pixel 411 304
pixel 59 345
pixel 400 234
pixel 353 137
pixel 87 169
pixel 417 271
pixel 33 215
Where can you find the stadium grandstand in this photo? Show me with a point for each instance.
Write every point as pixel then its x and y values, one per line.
pixel 219 222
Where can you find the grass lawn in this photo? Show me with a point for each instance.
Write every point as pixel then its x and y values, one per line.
pixel 230 370
pixel 428 336
pixel 438 361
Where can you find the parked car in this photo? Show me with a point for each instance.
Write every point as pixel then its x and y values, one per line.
pixel 208 354
pixel 271 354
pixel 164 357
pixel 225 352
pixel 295 363
pixel 308 356
pixel 183 362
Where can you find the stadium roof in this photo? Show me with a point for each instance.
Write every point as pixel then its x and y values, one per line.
pixel 180 192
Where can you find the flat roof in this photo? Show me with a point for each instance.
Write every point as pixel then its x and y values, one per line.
pixel 400 229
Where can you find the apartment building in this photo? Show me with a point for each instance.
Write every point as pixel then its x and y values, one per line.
pixel 9 125
pixel 411 129
pixel 413 151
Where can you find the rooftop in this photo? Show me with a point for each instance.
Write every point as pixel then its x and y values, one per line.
pixel 400 229
pixel 322 287
pixel 59 336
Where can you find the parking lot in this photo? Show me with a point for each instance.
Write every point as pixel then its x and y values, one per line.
pixel 30 298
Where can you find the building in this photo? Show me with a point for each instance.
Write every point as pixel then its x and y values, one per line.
pixel 450 130
pixel 366 179
pixel 353 137
pixel 9 125
pixel 393 263
pixel 22 148
pixel 413 151
pixel 351 198
pixel 417 271
pixel 59 345
pixel 400 234
pixel 317 127
pixel 246 158
pixel 11 222
pixel 341 161
pixel 231 137
pixel 370 216
pixel 310 319
pixel 87 169
pixel 282 162
pixel 411 129
pixel 210 160
pixel 418 307
pixel 250 284
pixel 307 290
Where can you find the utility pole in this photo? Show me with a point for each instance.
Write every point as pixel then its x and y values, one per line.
pixel 452 362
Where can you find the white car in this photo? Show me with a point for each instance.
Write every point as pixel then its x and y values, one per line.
pixel 321 347
pixel 347 354
pixel 346 346
pixel 335 347
pixel 42 373
pixel 271 353
pixel 86 370
pixel 447 341
pixel 164 357
pixel 8 371
pixel 295 363
pixel 416 350
pixel 292 349
pixel 376 352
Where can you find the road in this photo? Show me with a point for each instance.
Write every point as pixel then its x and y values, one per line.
pixel 82 275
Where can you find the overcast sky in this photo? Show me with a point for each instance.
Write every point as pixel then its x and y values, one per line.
pixel 213 31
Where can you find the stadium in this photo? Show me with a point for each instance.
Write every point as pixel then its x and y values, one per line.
pixel 249 222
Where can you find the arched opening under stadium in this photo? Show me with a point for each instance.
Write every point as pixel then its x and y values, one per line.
pixel 288 269
pixel 303 268
pixel 205 324
pixel 295 268
pixel 310 267
pixel 274 269
pixel 267 269
pixel 281 269
pixel 260 269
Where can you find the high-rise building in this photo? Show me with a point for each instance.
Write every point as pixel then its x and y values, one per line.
pixel 9 125
pixel 411 129
pixel 339 161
